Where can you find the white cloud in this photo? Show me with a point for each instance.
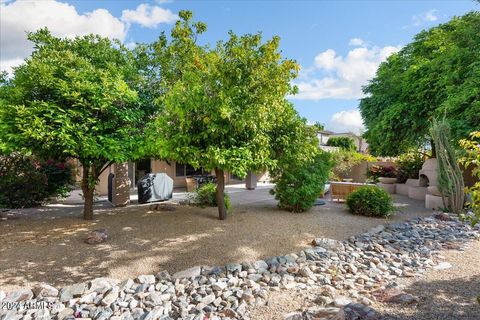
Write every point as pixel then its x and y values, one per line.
pixel 148 16
pixel 423 18
pixel 341 77
pixel 346 121
pixel 61 19
pixel 357 42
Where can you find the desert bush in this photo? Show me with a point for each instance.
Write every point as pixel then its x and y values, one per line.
pixel 205 196
pixel 344 143
pixel 370 201
pixel 27 182
pixel 300 183
pixel 408 166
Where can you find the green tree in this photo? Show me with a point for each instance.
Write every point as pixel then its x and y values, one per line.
pixel 219 105
pixel 319 126
pixel 435 76
pixel 344 143
pixel 74 98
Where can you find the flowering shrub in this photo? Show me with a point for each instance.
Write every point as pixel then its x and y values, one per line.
pixel 409 165
pixel 375 172
pixel 27 182
pixel 59 178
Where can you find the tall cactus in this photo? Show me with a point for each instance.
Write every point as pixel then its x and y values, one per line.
pixel 450 178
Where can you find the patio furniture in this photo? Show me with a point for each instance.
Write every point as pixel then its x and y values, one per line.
pixel 340 190
pixel 195 182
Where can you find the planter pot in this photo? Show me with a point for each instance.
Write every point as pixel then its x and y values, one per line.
pixel 389 187
pixel 385 180
pixel 191 184
pixel 433 202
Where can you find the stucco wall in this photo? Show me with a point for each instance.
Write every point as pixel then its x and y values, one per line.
pixel 359 172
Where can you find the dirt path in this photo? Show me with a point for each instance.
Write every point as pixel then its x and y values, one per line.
pixel 46 245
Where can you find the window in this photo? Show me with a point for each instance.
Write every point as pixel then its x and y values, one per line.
pixel 182 170
pixel 179 170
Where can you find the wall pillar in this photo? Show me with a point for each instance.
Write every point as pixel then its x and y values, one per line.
pixel 251 181
pixel 121 185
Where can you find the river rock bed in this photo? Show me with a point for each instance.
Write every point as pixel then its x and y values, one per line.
pixel 348 275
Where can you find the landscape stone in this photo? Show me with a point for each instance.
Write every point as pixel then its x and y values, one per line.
pixel 188 273
pixel 44 290
pixel 97 236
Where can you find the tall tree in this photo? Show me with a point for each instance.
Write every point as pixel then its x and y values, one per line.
pixel 74 98
pixel 219 105
pixel 437 75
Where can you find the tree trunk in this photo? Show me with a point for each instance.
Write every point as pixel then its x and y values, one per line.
pixel 220 195
pixel 434 149
pixel 88 190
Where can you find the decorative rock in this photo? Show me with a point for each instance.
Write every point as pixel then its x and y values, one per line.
pixel 44 290
pixel 329 244
pixel 110 297
pixel 101 285
pixel 442 266
pixel 341 301
pixel 19 295
pixel 357 311
pixel 73 291
pixel 164 276
pixel 97 236
pixel 146 278
pixel 188 273
pixel 260 264
pixel 219 286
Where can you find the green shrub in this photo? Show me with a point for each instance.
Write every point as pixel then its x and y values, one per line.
pixel 344 143
pixel 408 166
pixel 472 157
pixel 370 201
pixel 300 183
pixel 205 196
pixel 26 182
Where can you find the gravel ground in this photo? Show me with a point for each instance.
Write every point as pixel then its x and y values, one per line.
pixel 46 244
pixel 449 294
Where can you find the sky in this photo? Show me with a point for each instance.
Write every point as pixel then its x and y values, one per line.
pixel 339 44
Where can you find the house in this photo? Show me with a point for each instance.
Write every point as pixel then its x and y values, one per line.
pixel 360 143
pixel 177 171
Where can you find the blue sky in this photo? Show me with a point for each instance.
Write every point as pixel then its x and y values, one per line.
pixel 339 44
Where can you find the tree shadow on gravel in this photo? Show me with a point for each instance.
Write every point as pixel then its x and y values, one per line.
pixel 454 299
pixel 47 244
